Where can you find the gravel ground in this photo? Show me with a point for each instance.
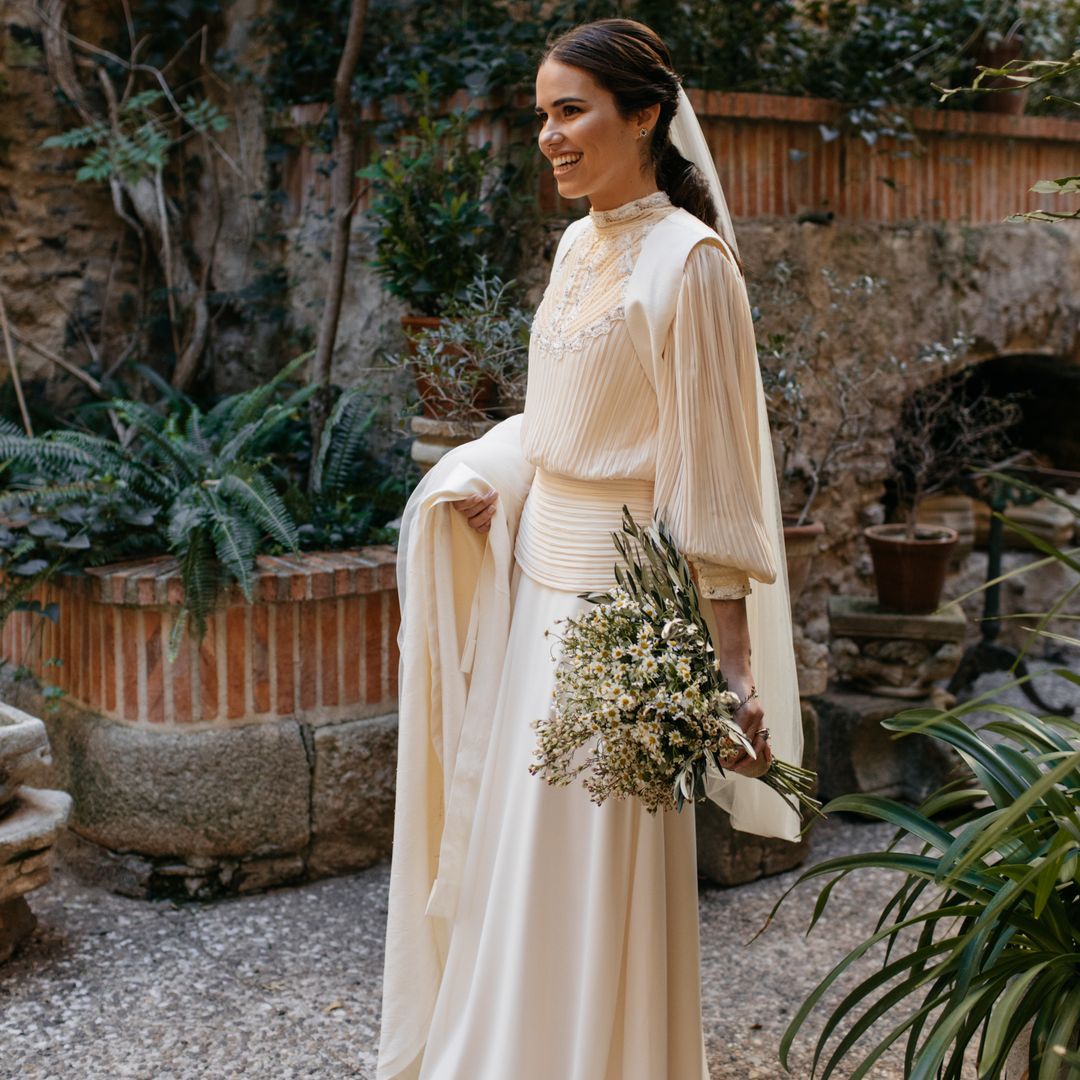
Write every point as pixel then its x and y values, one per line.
pixel 286 984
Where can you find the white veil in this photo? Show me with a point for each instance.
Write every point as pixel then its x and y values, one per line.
pixel 754 807
pixel 687 138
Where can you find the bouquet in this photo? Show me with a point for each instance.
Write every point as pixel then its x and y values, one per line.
pixel 640 705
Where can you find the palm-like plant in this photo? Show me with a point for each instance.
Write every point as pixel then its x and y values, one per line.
pixel 983 935
pixel 982 938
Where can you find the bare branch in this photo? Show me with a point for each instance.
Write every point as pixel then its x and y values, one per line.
pixel 9 349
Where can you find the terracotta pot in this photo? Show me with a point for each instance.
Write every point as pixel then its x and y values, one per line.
pixel 485 394
pixel 801 544
pixel 910 574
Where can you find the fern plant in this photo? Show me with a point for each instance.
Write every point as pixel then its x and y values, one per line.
pixel 214 487
pixel 190 482
pixel 219 507
pixel 351 492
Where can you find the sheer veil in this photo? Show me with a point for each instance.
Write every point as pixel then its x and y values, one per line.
pixel 688 139
pixel 753 807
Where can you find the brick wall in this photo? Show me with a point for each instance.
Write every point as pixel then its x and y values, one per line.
pixel 969 167
pixel 319 643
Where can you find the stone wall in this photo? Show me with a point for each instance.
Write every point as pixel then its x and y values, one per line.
pixel 1015 288
pixel 71 269
pixel 264 753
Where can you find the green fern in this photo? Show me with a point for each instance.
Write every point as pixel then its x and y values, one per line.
pixel 204 485
pixel 256 497
pixel 342 439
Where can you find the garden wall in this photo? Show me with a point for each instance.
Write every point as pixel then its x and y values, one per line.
pixel 265 753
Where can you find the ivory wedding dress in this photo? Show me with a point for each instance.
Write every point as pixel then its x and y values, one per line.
pixel 573 951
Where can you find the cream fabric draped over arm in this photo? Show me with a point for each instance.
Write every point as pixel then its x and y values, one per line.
pixel 708 487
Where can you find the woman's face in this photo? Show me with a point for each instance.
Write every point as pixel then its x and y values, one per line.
pixel 604 154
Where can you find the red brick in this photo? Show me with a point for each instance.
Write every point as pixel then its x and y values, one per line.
pixel 328 649
pixel 155 684
pixel 322 584
pixel 180 674
pixel 145 589
pixel 129 643
pixel 63 652
pixel 285 703
pixel 111 666
pixel 93 697
pixel 236 665
pixel 267 588
pixel 260 658
pixel 84 646
pixel 373 647
pixel 208 671
pixel 343 581
pixel 351 649
pixel 309 656
pixel 174 591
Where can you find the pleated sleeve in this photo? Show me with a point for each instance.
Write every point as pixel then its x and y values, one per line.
pixel 708 482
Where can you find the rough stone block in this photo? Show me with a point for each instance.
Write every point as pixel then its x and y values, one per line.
pixel 352 794
pixel 858 755
pixel 729 857
pixel 238 792
pixel 890 654
pixel 861 616
pixel 17 923
pixel 24 749
pixel 124 873
pixel 32 824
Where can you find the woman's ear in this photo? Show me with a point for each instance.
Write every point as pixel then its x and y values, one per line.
pixel 648 117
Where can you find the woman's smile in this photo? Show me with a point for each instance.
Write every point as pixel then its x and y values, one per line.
pixel 563 163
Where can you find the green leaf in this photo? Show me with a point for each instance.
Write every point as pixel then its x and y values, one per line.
pixel 262 504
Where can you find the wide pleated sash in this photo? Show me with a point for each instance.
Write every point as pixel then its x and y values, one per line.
pixel 564 535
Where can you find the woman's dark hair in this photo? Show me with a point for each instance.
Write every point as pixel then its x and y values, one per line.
pixel 631 62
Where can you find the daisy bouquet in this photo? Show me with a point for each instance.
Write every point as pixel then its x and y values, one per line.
pixel 640 706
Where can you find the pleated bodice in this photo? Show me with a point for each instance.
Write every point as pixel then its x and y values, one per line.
pixel 684 422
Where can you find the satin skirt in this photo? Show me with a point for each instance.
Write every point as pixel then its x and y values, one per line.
pixel 574 952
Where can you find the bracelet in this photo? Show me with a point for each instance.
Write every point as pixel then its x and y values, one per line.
pixel 753 694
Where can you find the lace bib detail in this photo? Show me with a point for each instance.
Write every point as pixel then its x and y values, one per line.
pixel 585 297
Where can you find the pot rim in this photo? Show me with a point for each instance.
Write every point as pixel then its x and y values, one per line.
pixel 893 533
pixel 807 529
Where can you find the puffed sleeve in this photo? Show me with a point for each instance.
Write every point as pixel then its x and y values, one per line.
pixel 708 484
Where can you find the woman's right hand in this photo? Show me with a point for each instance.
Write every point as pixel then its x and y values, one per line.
pixel 478 509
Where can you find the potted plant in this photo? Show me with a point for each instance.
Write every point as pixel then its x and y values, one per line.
pixel 469 367
pixel 978 943
pixel 945 432
pixel 279 701
pixel 442 206
pixel 820 413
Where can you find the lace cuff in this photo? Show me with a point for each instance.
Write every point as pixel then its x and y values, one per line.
pixel 717 582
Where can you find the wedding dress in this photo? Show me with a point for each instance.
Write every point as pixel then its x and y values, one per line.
pixel 569 947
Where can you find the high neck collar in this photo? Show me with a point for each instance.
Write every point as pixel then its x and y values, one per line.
pixel 630 212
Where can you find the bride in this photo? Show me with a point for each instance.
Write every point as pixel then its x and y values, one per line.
pixel 533 935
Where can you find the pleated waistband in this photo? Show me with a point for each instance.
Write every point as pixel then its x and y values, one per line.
pixel 564 536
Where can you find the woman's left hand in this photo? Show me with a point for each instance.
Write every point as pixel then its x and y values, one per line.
pixel 751 718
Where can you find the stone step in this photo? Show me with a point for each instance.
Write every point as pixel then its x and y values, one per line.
pixel 27 834
pixel 24 747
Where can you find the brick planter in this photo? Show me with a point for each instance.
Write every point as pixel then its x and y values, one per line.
pixel 263 754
